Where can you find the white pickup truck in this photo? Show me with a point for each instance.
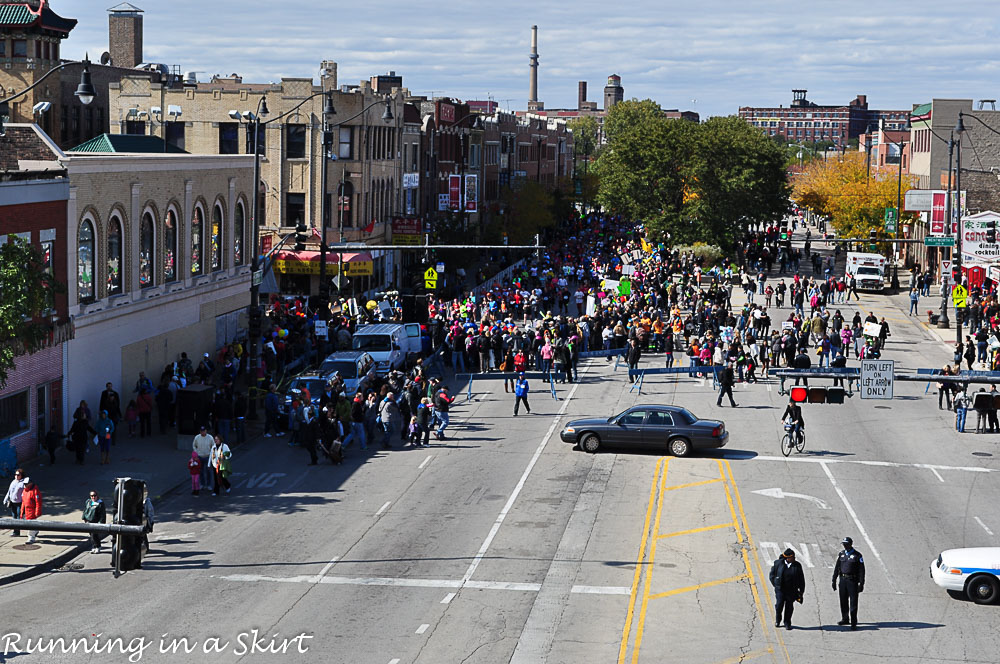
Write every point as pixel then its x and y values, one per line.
pixel 867 269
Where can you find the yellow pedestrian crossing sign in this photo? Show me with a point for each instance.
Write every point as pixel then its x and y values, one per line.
pixel 430 274
pixel 430 284
pixel 958 296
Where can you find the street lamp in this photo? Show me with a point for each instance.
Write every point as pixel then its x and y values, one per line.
pixel 959 130
pixel 85 91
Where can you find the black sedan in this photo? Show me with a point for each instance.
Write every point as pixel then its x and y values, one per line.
pixel 670 428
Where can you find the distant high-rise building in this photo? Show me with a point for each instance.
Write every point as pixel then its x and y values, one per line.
pixel 384 83
pixel 613 91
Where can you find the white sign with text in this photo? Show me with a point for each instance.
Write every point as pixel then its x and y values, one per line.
pixel 877 379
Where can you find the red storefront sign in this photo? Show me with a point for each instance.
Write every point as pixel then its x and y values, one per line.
pixel 455 192
pixel 938 213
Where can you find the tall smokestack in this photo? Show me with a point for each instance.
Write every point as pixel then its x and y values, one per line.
pixel 581 95
pixel 533 67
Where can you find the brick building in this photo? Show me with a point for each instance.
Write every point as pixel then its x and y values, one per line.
pixel 33 208
pixel 805 121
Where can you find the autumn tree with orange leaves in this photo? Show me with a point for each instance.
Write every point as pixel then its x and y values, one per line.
pixel 842 190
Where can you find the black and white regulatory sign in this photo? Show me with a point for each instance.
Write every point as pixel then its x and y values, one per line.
pixel 876 379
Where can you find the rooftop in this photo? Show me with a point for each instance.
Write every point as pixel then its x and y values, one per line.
pixel 126 143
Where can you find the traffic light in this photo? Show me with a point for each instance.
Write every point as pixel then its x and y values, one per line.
pixel 129 501
pixel 991 231
pixel 833 395
pixel 301 235
pixel 956 275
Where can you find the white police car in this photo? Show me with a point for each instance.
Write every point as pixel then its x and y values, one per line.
pixel 974 571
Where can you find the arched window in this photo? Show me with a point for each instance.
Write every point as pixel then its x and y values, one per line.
pixel 85 261
pixel 215 239
pixel 170 247
pixel 146 265
pixel 196 241
pixel 115 256
pixel 238 231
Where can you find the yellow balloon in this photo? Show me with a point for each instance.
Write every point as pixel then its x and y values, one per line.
pixel 371 305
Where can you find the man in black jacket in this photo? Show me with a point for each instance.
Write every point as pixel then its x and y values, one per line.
pixel 726 380
pixel 632 355
pixel 789 585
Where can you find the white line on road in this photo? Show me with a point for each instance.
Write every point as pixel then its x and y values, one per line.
pixel 980 522
pixel 887 464
pixel 937 474
pixel 425 462
pixel 326 569
pixel 861 529
pixel 422 629
pixel 517 489
pixel 602 590
pixel 447 598
pixel 394 661
pixel 384 507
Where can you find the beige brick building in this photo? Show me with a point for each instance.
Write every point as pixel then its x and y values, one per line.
pixel 215 118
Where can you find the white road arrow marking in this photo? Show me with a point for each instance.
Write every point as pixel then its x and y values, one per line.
pixel 778 493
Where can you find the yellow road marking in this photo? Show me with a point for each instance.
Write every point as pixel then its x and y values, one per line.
pixel 649 573
pixel 753 548
pixel 750 655
pixel 691 484
pixel 638 565
pixel 697 530
pixel 707 584
pixel 729 499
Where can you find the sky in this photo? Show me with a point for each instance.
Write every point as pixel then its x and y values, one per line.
pixel 711 57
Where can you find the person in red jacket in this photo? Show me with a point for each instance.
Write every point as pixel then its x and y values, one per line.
pixel 31 505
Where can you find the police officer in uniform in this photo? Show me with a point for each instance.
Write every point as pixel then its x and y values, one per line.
pixel 850 569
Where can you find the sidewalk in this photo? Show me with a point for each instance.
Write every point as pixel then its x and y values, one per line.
pixel 66 486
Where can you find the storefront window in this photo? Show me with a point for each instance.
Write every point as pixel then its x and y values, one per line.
pixel 216 238
pixel 196 238
pixel 114 256
pixel 85 261
pixel 170 247
pixel 146 251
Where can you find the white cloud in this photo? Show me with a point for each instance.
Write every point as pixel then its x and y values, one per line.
pixel 725 54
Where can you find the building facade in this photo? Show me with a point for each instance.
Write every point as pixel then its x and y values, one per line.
pixel 808 122
pixel 33 208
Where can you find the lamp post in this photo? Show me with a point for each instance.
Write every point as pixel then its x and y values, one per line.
pixel 85 91
pixel 943 322
pixel 957 262
pixel 256 273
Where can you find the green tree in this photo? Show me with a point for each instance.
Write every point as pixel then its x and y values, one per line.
pixel 26 291
pixel 529 210
pixel 584 130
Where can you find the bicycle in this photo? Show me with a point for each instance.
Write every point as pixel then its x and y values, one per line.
pixel 794 438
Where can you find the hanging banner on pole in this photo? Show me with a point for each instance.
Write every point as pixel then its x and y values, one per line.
pixel 471 193
pixel 455 192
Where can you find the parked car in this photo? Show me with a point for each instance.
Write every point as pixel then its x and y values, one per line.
pixel 974 571
pixel 355 367
pixel 314 381
pixel 668 428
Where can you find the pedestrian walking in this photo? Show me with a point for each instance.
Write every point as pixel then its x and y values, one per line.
pixel 202 446
pixel 789 586
pixel 194 469
pixel 31 505
pixel 521 394
pixel 850 571
pixel 424 420
pixel 442 402
pixel 726 381
pixel 94 511
pixel 632 357
pixel 271 404
pixel 307 431
pixel 53 439
pixel 914 300
pixel 12 500
pixel 144 404
pixel 112 404
pixel 132 417
pixel 961 410
pixel 389 417
pixel 105 430
pixel 221 464
pixel 78 436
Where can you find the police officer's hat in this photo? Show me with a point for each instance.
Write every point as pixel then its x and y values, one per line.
pixel 847 540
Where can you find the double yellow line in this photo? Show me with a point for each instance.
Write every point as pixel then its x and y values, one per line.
pixel 739 523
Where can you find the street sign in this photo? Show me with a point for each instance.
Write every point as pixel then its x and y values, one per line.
pixel 258 277
pixel 939 241
pixel 958 296
pixel 877 379
pixel 430 274
pixel 320 328
pixel 439 267
pixel 430 284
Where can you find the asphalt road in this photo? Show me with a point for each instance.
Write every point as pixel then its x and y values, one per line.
pixel 505 545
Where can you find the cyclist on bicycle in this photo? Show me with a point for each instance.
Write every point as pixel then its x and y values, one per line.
pixel 793 416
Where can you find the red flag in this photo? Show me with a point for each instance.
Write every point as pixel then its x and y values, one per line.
pixel 316 234
pixel 370 227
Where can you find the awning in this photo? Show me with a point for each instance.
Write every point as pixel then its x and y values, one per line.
pixel 307 262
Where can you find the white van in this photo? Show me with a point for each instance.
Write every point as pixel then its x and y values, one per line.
pixel 392 345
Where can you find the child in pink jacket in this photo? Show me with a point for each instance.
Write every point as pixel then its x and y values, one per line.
pixel 194 467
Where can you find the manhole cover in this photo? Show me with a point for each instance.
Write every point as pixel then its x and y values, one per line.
pixel 981 454
pixel 27 547
pixel 71 567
